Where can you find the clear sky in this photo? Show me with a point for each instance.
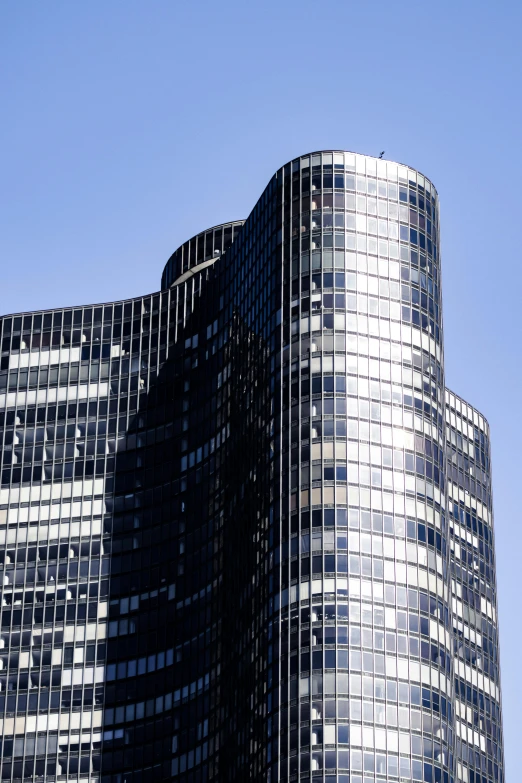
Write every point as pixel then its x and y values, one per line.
pixel 127 127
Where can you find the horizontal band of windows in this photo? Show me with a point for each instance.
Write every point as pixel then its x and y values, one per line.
pixel 374 498
pixel 75 489
pixel 52 395
pixel 52 722
pixel 131 712
pixel 356 587
pixel 54 532
pixel 43 513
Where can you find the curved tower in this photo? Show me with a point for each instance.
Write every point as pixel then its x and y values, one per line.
pixel 247 530
pixel 364 649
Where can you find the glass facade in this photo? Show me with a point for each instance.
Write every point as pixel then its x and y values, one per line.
pixel 478 715
pixel 247 532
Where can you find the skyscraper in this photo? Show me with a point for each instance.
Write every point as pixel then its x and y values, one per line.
pixel 247 531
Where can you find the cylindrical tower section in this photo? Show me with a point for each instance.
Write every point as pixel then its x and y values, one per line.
pixel 199 252
pixel 366 679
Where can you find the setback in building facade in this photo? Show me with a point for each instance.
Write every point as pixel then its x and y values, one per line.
pixel 246 531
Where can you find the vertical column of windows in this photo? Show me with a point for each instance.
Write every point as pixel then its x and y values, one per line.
pixel 478 710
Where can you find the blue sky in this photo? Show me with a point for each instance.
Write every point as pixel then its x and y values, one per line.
pixel 129 126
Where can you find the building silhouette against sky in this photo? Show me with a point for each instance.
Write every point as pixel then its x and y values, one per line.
pixel 247 532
